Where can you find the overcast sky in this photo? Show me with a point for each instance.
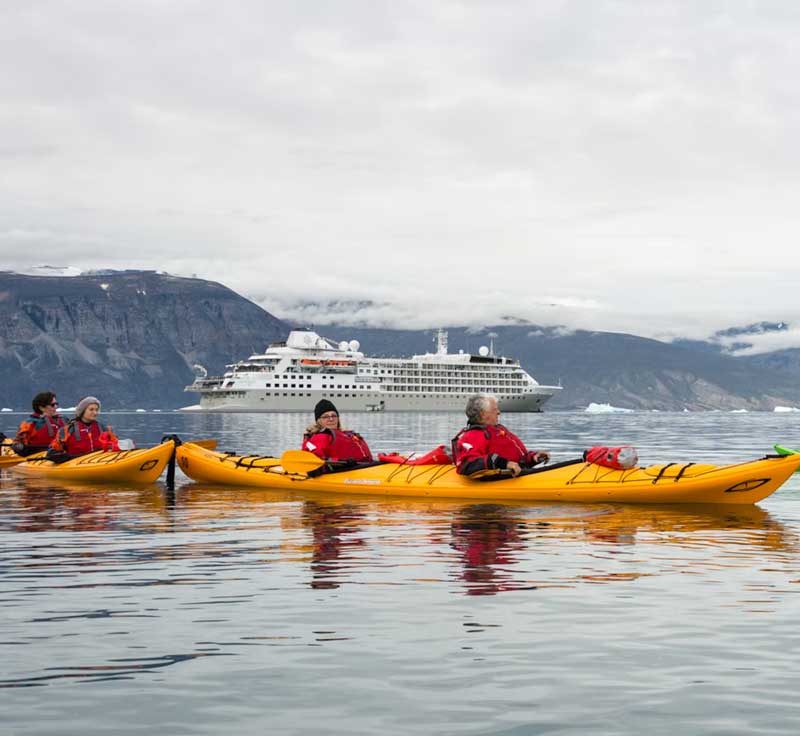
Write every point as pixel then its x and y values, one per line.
pixel 602 164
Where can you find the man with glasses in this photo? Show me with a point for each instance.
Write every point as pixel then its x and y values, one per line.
pixel 40 428
pixel 326 438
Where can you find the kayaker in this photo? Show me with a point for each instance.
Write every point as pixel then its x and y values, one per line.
pixel 40 428
pixel 83 433
pixel 485 444
pixel 327 440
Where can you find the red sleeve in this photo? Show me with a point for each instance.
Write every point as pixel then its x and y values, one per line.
pixel 472 446
pixel 319 444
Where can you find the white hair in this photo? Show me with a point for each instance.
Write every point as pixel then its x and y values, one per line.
pixel 477 405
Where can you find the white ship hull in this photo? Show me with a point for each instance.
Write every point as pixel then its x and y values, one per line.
pixel 252 402
pixel 294 375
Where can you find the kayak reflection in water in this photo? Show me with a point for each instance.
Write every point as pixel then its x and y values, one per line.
pixel 489 540
pixel 83 433
pixel 332 530
pixel 327 440
pixel 485 444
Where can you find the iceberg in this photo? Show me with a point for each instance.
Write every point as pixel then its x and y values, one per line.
pixel 784 409
pixel 141 411
pixel 738 411
pixel 5 408
pixel 606 409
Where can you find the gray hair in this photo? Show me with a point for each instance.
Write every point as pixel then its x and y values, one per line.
pixel 476 405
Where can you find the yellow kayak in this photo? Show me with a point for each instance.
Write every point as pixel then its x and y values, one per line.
pixel 673 483
pixel 8 457
pixel 124 466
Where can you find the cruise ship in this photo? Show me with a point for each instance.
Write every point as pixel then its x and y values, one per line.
pixel 293 375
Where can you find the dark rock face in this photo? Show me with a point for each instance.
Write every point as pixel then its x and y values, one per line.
pixel 129 338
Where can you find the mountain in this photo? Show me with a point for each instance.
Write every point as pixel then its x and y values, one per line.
pixel 132 337
pixel 128 337
pixel 604 367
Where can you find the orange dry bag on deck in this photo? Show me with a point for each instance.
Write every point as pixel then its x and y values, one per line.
pixel 620 458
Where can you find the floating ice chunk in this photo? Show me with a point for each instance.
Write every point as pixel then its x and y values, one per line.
pixel 594 408
pixel 5 408
pixel 141 411
pixel 786 409
pixel 738 411
pixel 193 407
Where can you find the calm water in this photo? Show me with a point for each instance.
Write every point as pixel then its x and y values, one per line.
pixel 213 610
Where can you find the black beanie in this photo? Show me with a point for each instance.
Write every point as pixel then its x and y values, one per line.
pixel 323 406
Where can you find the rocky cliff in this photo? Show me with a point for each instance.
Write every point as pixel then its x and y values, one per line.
pixel 130 337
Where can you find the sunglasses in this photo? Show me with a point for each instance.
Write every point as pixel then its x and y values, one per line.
pixel 53 403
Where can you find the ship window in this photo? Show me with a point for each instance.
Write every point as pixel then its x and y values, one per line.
pixel 292 393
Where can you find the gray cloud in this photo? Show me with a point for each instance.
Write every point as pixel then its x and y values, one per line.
pixel 609 165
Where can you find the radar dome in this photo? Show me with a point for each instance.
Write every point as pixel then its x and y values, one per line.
pixel 343 345
pixel 483 350
pixel 354 345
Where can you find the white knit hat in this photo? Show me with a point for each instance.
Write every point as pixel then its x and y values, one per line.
pixel 83 405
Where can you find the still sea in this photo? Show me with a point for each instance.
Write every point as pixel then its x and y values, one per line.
pixel 222 611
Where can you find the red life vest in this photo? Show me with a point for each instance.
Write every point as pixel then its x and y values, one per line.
pixel 38 430
pixel 337 444
pixel 488 444
pixel 78 438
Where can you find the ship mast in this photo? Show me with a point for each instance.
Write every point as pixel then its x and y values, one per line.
pixel 441 341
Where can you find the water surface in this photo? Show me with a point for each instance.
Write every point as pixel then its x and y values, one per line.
pixel 214 610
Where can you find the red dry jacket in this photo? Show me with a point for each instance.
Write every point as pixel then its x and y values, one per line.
pixel 484 447
pixel 38 430
pixel 78 438
pixel 337 444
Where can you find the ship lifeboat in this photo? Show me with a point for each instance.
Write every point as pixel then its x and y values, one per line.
pixel 310 361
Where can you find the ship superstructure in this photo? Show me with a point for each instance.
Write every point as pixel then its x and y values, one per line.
pixel 294 374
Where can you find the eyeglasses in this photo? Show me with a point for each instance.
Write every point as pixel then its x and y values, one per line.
pixel 329 416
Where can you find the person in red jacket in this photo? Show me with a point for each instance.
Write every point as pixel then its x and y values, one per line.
pixel 84 433
pixel 40 428
pixel 326 438
pixel 485 444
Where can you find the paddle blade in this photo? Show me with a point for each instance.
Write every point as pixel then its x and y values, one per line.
pixel 205 444
pixel 786 451
pixel 300 461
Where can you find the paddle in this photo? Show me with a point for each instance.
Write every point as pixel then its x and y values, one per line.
pixel 300 461
pixel 205 444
